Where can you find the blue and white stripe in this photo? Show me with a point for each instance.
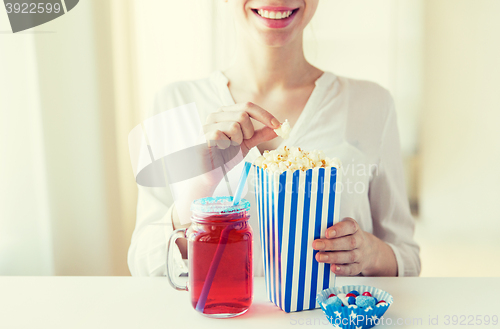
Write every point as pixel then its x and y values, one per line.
pixel 294 208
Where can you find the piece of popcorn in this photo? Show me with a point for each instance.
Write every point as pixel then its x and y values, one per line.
pixel 284 130
pixel 259 161
pixel 274 167
pixel 283 152
pixel 315 156
pixel 283 166
pixel 276 157
pixel 334 162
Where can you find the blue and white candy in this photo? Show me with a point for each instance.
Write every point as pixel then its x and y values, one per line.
pixel 334 300
pixel 365 301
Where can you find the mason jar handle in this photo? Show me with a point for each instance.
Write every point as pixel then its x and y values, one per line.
pixel 180 233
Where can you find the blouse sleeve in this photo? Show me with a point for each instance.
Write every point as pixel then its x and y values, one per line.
pixel 147 251
pixel 392 219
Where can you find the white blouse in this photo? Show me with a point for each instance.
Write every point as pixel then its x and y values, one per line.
pixel 349 119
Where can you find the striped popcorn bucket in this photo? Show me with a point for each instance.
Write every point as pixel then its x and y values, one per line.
pixel 295 208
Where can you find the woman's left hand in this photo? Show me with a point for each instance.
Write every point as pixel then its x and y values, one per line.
pixel 348 249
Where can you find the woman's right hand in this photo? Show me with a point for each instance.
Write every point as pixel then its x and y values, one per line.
pixel 231 125
pixel 229 132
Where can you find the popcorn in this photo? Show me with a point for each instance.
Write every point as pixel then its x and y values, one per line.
pixel 294 158
pixel 284 130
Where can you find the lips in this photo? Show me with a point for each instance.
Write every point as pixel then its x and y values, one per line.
pixel 275 17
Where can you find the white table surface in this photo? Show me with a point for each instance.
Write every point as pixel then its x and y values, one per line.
pixel 126 302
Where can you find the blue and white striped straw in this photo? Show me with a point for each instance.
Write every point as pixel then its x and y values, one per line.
pixel 241 183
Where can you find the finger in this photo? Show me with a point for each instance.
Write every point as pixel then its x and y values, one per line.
pixel 232 130
pixel 339 257
pixel 260 136
pixel 242 117
pixel 255 112
pixel 348 242
pixel 346 269
pixel 217 138
pixel 345 227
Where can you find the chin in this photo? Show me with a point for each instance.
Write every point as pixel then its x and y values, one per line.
pixel 274 39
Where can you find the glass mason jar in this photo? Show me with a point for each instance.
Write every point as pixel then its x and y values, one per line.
pixel 219 255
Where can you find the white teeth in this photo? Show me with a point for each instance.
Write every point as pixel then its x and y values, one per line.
pixel 274 14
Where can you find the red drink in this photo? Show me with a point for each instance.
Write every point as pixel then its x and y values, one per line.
pixel 220 257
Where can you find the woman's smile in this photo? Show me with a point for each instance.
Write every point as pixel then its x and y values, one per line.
pixel 275 17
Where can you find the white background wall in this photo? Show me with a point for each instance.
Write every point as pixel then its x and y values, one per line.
pixel 173 42
pixel 58 211
pixel 461 144
pixel 460 161
pixel 24 216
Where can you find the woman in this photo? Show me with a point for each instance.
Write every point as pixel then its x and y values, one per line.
pixel 349 119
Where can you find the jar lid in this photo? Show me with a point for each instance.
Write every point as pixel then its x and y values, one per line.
pixel 219 205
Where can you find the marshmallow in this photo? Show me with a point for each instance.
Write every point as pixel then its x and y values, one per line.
pixel 344 299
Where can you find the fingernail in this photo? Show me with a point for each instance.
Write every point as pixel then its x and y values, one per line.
pixel 319 245
pixel 323 258
pixel 337 268
pixel 330 234
pixel 275 122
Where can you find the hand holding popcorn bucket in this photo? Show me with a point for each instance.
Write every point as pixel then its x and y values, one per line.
pixel 298 199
